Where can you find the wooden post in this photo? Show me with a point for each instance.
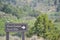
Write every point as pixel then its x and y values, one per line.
pixel 23 37
pixel 7 35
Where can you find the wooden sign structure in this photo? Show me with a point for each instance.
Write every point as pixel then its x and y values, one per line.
pixel 15 27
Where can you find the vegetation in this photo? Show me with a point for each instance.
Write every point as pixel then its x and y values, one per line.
pixel 45 28
pixel 2 32
pixel 44 24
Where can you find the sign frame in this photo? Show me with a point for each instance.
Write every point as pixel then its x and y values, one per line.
pixel 18 27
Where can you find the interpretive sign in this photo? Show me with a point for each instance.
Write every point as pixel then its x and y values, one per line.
pixel 15 27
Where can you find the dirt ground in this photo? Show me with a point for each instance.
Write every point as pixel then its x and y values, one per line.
pixel 17 38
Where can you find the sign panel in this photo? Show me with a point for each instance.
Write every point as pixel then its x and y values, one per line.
pixel 15 27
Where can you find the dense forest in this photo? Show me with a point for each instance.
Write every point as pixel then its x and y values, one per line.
pixel 38 14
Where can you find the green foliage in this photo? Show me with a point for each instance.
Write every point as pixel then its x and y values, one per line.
pixel 55 16
pixel 13 19
pixel 44 27
pixel 2 28
pixel 16 34
pixel 9 9
pixel 19 12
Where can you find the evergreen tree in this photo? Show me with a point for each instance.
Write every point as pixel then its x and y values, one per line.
pixel 44 27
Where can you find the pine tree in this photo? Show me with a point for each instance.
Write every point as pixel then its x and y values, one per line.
pixel 44 27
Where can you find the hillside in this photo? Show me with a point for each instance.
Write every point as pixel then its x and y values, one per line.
pixel 41 16
pixel 40 5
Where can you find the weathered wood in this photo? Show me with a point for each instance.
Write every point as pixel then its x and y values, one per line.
pixel 15 27
pixel 7 35
pixel 23 36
